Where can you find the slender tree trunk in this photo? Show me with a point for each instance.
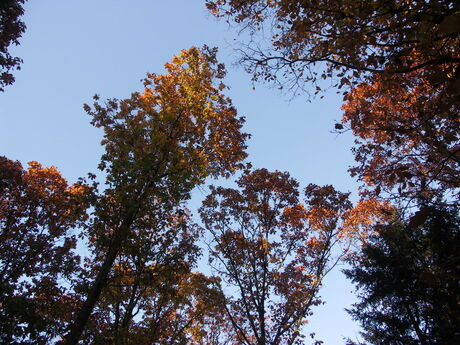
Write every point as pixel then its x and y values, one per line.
pixel 99 283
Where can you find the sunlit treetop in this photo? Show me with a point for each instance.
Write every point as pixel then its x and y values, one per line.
pixel 159 144
pixel 176 132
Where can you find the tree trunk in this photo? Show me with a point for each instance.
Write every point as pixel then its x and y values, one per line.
pixel 99 283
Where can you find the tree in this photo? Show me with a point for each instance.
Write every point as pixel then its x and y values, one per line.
pixel 159 145
pixel 38 211
pixel 11 29
pixel 345 39
pixel 152 295
pixel 407 135
pixel 408 280
pixel 401 62
pixel 272 252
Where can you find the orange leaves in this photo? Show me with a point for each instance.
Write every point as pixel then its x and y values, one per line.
pixel 38 211
pixel 401 67
pixel 272 249
pixel 362 219
pixel 294 216
pixel 180 129
pixel 407 133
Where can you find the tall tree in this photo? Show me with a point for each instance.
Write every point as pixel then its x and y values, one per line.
pixel 38 211
pixel 159 144
pixel 400 59
pixel 272 252
pixel 408 280
pixel 11 29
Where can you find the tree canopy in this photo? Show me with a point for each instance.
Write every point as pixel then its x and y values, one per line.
pixel 115 258
pixel 399 59
pixel 272 252
pixel 159 145
pixel 345 39
pixel 38 214
pixel 11 29
pixel 408 281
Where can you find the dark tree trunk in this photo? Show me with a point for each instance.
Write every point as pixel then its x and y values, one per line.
pixel 77 328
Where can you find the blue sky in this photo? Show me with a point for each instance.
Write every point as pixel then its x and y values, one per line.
pixel 74 49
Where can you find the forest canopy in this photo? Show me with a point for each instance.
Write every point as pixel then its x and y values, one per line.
pixel 122 256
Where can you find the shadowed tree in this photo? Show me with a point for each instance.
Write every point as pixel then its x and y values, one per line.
pixel 408 281
pixel 305 40
pixel 38 211
pixel 152 296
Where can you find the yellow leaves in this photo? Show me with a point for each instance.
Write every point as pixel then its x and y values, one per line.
pixel 265 246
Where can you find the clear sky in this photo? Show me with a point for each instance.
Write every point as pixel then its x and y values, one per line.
pixel 74 49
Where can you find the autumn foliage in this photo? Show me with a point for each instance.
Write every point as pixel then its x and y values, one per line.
pixel 38 214
pixel 347 40
pixel 272 252
pixel 269 243
pixel 398 63
pixel 159 144
pixel 407 139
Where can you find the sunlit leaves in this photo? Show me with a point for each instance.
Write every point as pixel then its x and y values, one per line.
pixel 407 134
pixel 159 144
pixel 399 59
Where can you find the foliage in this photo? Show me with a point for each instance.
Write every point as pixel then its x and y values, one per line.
pixel 272 251
pixel 159 145
pixel 38 211
pixel 407 134
pixel 11 29
pixel 408 280
pixel 345 39
pixel 400 59
pixel 152 296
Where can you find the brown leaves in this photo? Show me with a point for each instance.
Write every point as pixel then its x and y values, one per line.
pixel 273 249
pixel 38 211
pixel 349 39
pixel 407 133
pixel 401 62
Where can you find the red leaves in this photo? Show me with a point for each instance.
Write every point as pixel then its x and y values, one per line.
pixel 405 133
pixel 38 210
